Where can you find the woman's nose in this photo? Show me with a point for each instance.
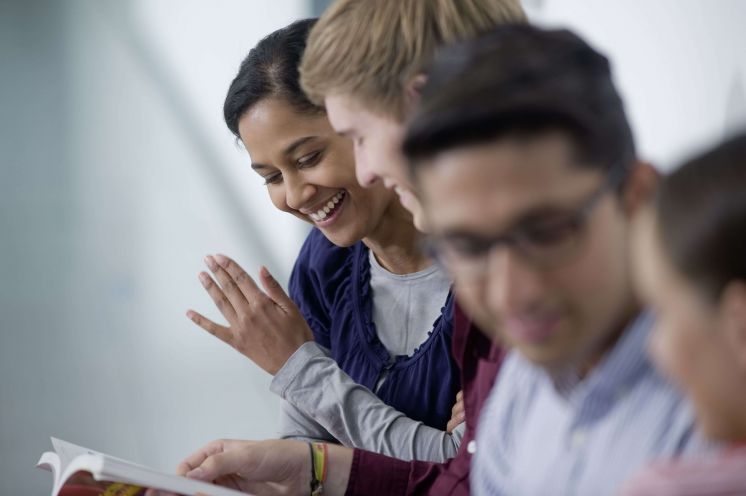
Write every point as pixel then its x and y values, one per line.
pixel 298 192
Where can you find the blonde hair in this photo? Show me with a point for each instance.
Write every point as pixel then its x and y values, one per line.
pixel 370 49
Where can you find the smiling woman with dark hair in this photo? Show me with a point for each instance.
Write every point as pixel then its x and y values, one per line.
pixel 363 344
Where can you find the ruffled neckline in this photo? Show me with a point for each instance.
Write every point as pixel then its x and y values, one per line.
pixel 362 300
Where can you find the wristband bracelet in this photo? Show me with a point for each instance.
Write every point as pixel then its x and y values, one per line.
pixel 318 467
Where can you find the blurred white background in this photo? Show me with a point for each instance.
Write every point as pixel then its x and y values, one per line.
pixel 117 175
pixel 680 65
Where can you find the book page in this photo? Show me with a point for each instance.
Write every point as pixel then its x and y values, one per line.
pixel 68 451
pixel 88 473
pixel 84 484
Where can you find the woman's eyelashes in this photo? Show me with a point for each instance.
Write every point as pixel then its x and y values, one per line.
pixel 310 159
pixel 272 178
pixel 304 162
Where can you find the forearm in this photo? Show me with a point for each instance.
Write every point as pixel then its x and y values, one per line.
pixel 296 424
pixel 280 466
pixel 338 475
pixel 313 382
pixel 372 474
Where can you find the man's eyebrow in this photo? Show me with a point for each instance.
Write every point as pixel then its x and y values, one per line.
pixel 460 233
pixel 539 213
pixel 534 214
pixel 295 144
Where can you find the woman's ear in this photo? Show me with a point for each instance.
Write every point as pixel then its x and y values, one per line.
pixel 640 186
pixel 414 87
pixel 733 315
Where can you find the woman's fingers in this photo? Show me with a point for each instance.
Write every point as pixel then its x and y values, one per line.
pixel 455 421
pixel 458 408
pixel 218 296
pixel 452 424
pixel 240 278
pixel 457 413
pixel 274 290
pixel 221 332
pixel 228 285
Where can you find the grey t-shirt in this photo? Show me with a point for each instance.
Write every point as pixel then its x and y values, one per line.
pixel 406 306
pixel 322 402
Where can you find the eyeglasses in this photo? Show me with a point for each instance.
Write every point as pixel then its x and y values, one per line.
pixel 545 244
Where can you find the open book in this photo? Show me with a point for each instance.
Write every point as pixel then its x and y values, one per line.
pixel 81 472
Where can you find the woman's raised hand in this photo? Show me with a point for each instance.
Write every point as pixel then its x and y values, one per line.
pixel 266 326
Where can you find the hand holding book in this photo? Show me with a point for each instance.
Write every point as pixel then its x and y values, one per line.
pixel 271 468
pixel 79 471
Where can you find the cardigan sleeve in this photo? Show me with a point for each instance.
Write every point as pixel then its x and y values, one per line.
pixel 313 383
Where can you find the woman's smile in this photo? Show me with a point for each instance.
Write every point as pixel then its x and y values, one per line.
pixel 327 212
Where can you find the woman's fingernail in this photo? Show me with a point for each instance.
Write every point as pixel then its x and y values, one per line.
pixel 204 279
pixel 210 262
pixel 222 260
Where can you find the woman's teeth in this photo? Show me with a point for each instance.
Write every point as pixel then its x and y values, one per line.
pixel 327 209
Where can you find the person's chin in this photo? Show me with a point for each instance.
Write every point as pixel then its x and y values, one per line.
pixel 409 200
pixel 345 233
pixel 340 237
pixel 549 355
pixel 546 359
pixel 418 215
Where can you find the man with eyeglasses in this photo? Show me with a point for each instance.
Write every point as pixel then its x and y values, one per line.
pixel 529 179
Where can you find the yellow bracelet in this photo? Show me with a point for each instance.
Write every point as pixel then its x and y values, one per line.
pixel 318 467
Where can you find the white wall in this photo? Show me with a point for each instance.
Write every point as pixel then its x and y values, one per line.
pixel 118 176
pixel 680 65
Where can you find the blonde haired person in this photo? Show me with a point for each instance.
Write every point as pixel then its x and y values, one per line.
pixel 364 62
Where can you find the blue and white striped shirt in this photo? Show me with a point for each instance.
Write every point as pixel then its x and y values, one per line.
pixel 559 435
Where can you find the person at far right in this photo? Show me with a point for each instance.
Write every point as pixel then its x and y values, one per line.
pixel 690 268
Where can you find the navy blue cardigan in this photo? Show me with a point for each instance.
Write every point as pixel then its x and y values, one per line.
pixel 331 285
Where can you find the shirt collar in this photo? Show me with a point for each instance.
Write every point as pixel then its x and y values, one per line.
pixel 618 371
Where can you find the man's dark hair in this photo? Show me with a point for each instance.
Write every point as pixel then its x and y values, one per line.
pixel 701 213
pixel 521 80
pixel 270 70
